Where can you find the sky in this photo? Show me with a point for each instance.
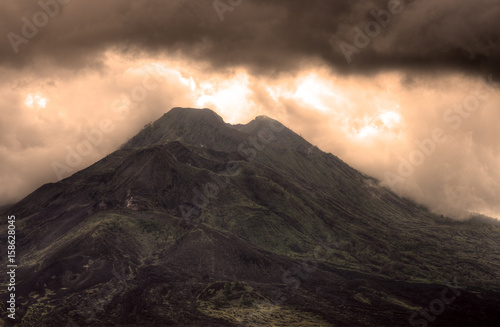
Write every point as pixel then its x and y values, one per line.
pixel 405 91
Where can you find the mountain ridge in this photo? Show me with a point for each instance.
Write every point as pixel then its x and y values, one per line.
pixel 287 219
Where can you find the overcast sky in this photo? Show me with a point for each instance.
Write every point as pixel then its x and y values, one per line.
pixel 405 91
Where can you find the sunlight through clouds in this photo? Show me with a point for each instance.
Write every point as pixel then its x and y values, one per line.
pixel 381 126
pixel 36 101
pixel 229 97
pixel 316 93
pixel 348 116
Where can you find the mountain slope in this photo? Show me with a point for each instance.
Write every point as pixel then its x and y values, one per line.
pixel 198 222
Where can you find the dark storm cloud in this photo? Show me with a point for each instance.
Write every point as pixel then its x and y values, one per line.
pixel 265 36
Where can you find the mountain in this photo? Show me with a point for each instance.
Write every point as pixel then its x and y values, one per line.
pixel 195 222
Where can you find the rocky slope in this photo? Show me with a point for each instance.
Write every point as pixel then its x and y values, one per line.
pixel 195 222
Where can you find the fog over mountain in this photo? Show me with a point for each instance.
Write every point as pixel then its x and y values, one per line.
pixel 375 98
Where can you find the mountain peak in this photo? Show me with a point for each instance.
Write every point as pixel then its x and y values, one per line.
pixel 286 138
pixel 194 113
pixel 205 128
pixel 196 127
pixel 263 117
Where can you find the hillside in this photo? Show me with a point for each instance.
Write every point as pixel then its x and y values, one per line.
pixel 195 222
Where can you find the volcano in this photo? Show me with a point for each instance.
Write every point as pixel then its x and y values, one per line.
pixel 196 222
